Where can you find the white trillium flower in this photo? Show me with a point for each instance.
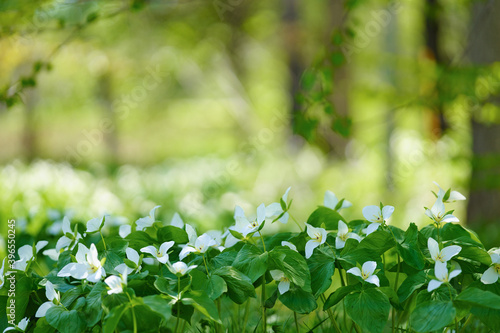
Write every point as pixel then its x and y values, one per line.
pixel 95 224
pixel 492 274
pixel 133 256
pixel 343 234
pixel 116 283
pixel 125 230
pixel 377 216
pixel 290 245
pixel 69 239
pixel 2 274
pixel 366 272
pixel 52 254
pixel 244 225
pixel 443 256
pixel 180 268
pixel 275 209
pixel 177 221
pixel 217 237
pixel 284 282
pixel 161 255
pixel 145 222
pixel 454 195
pixel 26 255
pixel 21 326
pixel 442 276
pixel 88 265
pixel 318 236
pixel 201 245
pixel 331 201
pixel 54 298
pixel 438 211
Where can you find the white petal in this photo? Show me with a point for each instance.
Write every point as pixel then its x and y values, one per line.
pixel 374 280
pixel 230 241
pixel 143 223
pixel 132 255
pixel 342 228
pixel 123 269
pixel 97 276
pixel 23 323
pixel 330 200
pixel 50 292
pixel 148 261
pixel 273 209
pixel 290 245
pixel 346 204
pixel 42 310
pixel 285 196
pixel 371 228
pixel 151 250
pixel 354 271
pixel 238 212
pixel 433 248
pixel 310 246
pixel 450 218
pixel 66 226
pixel 177 221
pixel 62 243
pixel 339 243
pixel 277 275
pixel 25 252
pixel 185 251
pixel 324 235
pixel 489 276
pixel 495 258
pixel 40 245
pixel 372 213
pixel 81 254
pixel 387 212
pixel 20 265
pixel 94 224
pixel 456 196
pixel 66 270
pixel 440 270
pixel 93 257
pixel 450 251
pixel 152 213
pixel 369 267
pixel 165 247
pixel 283 287
pixel 354 236
pixel 438 207
pixel 261 213
pixel 125 230
pixel 191 234
pixel 454 273
pixel 433 284
pixel 284 218
pixel 311 230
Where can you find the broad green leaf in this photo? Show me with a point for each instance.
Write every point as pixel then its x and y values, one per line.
pixel 239 286
pixel 339 295
pixel 293 265
pixel 93 308
pixel 171 233
pixel 24 286
pixel 139 239
pixel 409 250
pixel 378 242
pixel 488 316
pixel 298 300
pixel 69 296
pixel 322 268
pixel 369 309
pixel 159 305
pixel 432 316
pixel 251 261
pixel 202 303
pixel 66 321
pixel 113 318
pixel 326 216
pixel 481 298
pixel 410 284
pixel 216 287
pixel 226 258
pixel 42 326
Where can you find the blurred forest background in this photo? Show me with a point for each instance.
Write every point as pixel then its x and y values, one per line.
pixel 116 106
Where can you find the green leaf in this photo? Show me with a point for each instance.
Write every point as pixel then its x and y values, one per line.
pixel 239 286
pixel 432 316
pixel 66 321
pixel 378 242
pixel 202 303
pixel 171 233
pixel 216 287
pixel 114 316
pixel 159 305
pixel 139 239
pixel 369 309
pixel 69 296
pixel 42 326
pixel 322 268
pixel 326 216
pixel 409 250
pixel 293 265
pixel 410 284
pixel 298 300
pixel 481 298
pixel 251 261
pixel 488 316
pixel 339 295
pixel 24 286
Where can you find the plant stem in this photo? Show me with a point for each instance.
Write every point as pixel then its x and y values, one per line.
pixel 341 277
pixel 438 226
pixel 245 319
pixel 466 322
pixel 296 322
pixel 263 301
pixel 296 222
pixel 330 314
pixel 178 304
pixel 262 239
pixel 133 312
pixel 395 289
pixel 205 262
pixel 103 242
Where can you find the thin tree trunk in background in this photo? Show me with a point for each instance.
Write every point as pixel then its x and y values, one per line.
pixel 483 213
pixel 29 132
pixel 105 97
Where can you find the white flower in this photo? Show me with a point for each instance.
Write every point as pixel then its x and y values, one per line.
pixel 145 222
pixel 492 274
pixel 366 272
pixel 275 209
pixel 331 201
pixel 177 221
pixel 26 255
pixel 290 245
pixel 377 216
pixel 371 228
pixel 284 282
pixel 21 326
pixel 441 273
pixel 70 238
pixel 454 195
pixel 161 255
pixel 52 254
pixel 54 298
pixel 202 244
pixel 343 234
pixel 133 256
pixel 245 226
pixel 96 224
pixel 217 237
pixel 180 268
pixel 438 211
pixel 125 230
pixel 87 266
pixel 441 257
pixel 318 236
pixel 116 283
pixel 2 274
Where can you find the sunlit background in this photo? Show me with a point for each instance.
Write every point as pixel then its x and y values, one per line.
pixel 113 107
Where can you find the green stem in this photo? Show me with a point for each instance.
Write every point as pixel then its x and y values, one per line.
pixel 438 227
pixel 296 222
pixel 262 239
pixel 219 326
pixel 178 304
pixel 133 312
pixel 296 322
pixel 205 262
pixel 395 289
pixel 330 314
pixel 245 319
pixel 341 277
pixel 103 242
pixel 263 301
pixel 466 322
